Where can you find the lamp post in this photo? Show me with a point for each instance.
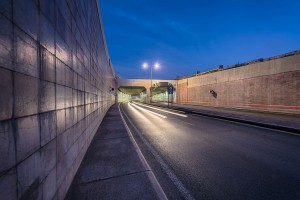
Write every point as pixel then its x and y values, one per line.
pixel 155 66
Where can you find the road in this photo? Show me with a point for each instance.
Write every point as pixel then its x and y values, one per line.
pixel 196 157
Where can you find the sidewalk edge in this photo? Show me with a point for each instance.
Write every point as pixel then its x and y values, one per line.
pixel 160 193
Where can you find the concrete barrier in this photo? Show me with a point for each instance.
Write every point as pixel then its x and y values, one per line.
pixel 55 85
pixel 271 85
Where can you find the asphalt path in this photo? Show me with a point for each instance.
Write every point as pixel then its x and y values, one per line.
pixel 197 157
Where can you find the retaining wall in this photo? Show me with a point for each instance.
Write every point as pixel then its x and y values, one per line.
pixel 55 80
pixel 272 85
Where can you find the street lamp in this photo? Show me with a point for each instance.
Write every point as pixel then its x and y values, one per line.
pixel 155 66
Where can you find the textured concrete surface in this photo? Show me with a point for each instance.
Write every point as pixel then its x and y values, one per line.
pixel 55 89
pixel 271 85
pixel 111 168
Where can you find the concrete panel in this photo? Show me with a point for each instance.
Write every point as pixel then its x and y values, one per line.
pixel 47 34
pixel 60 72
pixel 60 97
pixel 75 119
pixel 62 145
pixel 80 83
pixel 7 146
pixel 48 158
pixel 60 13
pixel 47 96
pixel 80 111
pixel 62 50
pixel 6 8
pixel 27 137
pixel 8 187
pixel 29 178
pixel 61 121
pixel 49 185
pixel 48 9
pixel 74 94
pixel 6 40
pixel 47 65
pixel 69 77
pixel 26 17
pixel 69 97
pixel 26 95
pixel 69 117
pixel 48 127
pixel 80 98
pixel 62 170
pixel 26 51
pixel 75 83
pixel 6 97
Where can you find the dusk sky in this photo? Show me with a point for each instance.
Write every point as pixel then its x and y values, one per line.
pixel 186 36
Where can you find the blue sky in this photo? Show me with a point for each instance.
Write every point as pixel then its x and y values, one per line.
pixel 186 36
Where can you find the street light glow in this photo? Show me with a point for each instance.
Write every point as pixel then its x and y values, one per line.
pixel 155 66
pixel 145 65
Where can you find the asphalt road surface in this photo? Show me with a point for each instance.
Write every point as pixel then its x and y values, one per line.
pixel 196 157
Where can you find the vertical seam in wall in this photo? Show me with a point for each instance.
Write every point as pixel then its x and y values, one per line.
pixel 55 91
pixel 39 61
pixel 14 122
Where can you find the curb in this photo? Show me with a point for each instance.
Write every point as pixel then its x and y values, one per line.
pixel 260 124
pixel 155 184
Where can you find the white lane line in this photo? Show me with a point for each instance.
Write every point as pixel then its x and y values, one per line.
pixel 154 113
pixel 179 185
pixel 181 115
pixel 157 187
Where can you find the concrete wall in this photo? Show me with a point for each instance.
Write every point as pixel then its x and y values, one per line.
pixel 272 85
pixel 165 97
pixel 55 81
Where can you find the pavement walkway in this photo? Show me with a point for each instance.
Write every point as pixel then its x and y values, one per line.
pixel 113 167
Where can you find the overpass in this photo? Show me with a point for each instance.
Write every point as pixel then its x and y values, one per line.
pixel 142 89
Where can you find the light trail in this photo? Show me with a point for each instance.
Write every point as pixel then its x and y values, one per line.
pixel 154 113
pixel 181 115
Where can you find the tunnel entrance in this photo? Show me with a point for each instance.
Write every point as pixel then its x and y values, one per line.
pixel 158 93
pixel 129 93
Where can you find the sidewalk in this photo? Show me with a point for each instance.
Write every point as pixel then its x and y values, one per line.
pixel 113 167
pixel 286 122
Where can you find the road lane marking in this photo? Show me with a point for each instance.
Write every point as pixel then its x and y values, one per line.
pixel 179 185
pixel 154 113
pixel 181 115
pixel 157 187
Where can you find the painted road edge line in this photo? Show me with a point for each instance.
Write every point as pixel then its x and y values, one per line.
pixel 179 185
pixel 160 192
